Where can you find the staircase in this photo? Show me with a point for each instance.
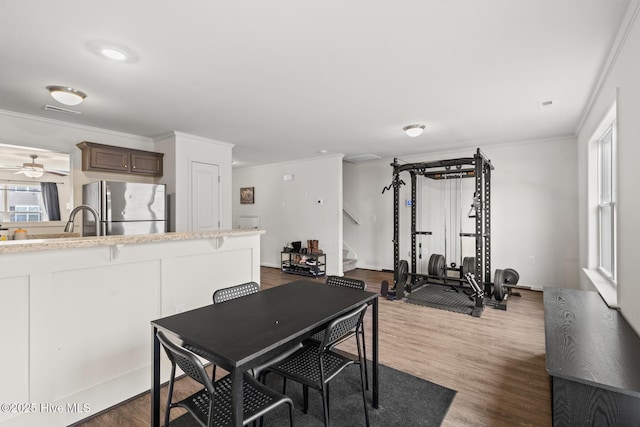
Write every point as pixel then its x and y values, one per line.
pixel 348 264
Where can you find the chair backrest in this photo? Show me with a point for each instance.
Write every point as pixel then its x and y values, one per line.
pixel 226 294
pixel 186 360
pixel 342 326
pixel 346 282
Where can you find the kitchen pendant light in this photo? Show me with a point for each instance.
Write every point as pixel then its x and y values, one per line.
pixel 67 95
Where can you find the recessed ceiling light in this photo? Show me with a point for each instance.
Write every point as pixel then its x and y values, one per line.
pixel 322 151
pixel 113 51
pixel 114 54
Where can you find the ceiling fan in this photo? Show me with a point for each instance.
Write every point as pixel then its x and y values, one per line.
pixel 35 170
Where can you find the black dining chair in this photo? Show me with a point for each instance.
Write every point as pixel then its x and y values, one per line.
pixel 233 292
pixel 346 282
pixel 211 405
pixel 315 364
pixel 244 289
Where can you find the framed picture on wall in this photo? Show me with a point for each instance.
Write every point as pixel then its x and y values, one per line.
pixel 246 195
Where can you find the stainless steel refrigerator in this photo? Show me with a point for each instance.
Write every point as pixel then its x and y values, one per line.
pixel 125 208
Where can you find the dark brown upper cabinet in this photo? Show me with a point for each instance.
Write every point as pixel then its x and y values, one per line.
pixel 108 158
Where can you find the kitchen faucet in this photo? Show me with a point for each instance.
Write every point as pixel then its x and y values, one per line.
pixel 69 227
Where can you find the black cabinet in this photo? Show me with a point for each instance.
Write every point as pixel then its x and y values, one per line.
pixel 304 264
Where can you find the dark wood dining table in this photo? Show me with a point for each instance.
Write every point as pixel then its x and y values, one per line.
pixel 243 333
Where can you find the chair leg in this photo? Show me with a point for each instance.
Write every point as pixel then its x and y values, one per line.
pixel 325 405
pixel 364 355
pixel 290 413
pixel 305 394
pixel 169 394
pixel 328 400
pixel 362 381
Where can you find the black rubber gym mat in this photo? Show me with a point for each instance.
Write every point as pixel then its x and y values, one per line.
pixel 443 298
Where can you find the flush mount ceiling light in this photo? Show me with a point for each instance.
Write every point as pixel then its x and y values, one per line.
pixel 67 95
pixel 413 130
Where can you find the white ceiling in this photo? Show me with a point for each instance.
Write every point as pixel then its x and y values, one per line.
pixel 284 79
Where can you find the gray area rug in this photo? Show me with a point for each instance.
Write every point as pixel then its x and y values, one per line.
pixel 405 400
pixel 443 298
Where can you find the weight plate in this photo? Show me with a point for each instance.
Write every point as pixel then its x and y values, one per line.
pixel 498 285
pixel 384 288
pixel 403 272
pixel 511 276
pixel 439 265
pixel 468 265
pixel 431 271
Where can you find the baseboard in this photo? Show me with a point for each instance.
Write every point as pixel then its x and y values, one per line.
pixel 86 403
pixel 527 288
pixel 126 401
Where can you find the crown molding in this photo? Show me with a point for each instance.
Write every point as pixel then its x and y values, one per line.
pixel 73 125
pixel 623 33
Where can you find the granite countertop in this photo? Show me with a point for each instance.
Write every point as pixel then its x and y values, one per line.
pixel 32 245
pixel 53 236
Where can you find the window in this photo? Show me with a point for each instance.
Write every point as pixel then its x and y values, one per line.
pixel 21 203
pixel 607 203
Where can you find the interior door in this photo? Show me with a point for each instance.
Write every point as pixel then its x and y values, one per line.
pixel 205 197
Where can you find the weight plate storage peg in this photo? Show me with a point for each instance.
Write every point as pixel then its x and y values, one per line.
pixel 498 285
pixel 511 277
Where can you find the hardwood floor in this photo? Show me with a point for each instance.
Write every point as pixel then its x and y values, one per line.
pixel 496 362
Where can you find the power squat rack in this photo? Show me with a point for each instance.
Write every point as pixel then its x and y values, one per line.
pixel 478 167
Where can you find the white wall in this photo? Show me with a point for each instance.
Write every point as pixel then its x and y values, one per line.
pixel 534 211
pixel 288 210
pixel 622 78
pixel 181 150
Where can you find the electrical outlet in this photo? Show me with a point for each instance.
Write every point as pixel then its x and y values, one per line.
pixel 532 260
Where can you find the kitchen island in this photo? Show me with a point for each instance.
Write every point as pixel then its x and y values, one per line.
pixel 75 313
